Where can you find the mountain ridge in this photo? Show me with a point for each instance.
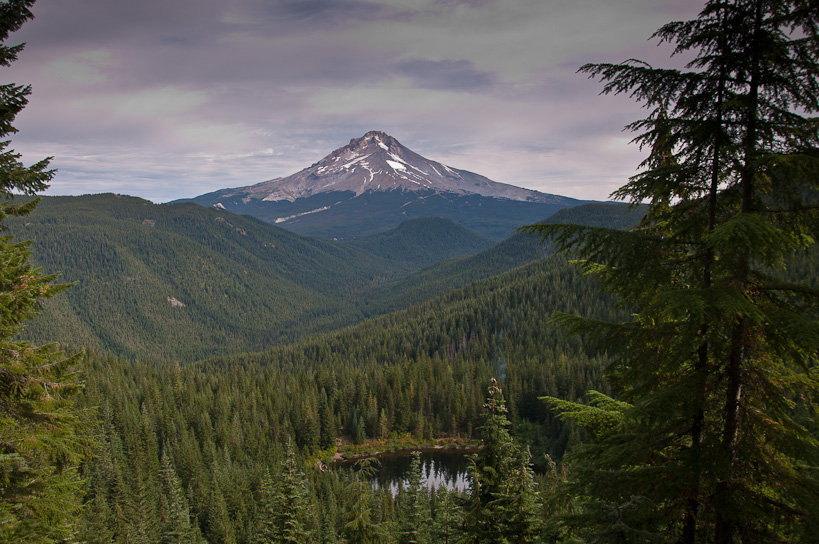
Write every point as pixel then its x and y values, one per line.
pixel 379 162
pixel 423 241
pixel 374 183
pixel 182 282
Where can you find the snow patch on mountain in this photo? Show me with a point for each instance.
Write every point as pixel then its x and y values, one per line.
pixel 294 216
pixel 378 162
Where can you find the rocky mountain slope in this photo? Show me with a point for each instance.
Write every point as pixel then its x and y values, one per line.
pixel 378 162
pixel 374 183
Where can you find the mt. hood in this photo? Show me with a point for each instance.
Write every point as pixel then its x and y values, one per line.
pixel 378 162
pixel 374 183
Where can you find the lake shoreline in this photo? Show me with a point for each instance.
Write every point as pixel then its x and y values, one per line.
pixel 441 465
pixel 346 452
pixel 341 459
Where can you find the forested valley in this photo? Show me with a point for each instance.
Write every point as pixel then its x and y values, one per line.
pixel 618 374
pixel 184 449
pixel 400 381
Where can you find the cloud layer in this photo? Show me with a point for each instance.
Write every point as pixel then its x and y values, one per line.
pixel 171 99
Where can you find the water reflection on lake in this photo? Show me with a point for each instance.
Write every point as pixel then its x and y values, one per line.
pixel 449 468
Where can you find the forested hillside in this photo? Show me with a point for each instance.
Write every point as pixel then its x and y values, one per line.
pixel 199 438
pixel 418 243
pixel 517 250
pixel 418 374
pixel 181 282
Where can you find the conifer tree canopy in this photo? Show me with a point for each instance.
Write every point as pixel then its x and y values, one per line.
pixel 503 501
pixel 718 366
pixel 39 446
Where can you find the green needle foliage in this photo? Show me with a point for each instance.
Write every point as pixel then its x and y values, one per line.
pixel 39 445
pixel 719 363
pixel 361 527
pixel 416 519
pixel 177 527
pixel 286 513
pixel 503 502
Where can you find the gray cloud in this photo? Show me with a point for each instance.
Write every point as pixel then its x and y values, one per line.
pixel 73 23
pixel 173 98
pixel 327 12
pixel 457 75
pixel 473 3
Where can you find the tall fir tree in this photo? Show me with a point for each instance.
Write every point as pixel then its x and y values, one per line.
pixel 266 530
pixel 361 527
pixel 725 340
pixel 521 502
pixel 177 527
pixel 502 504
pixel 40 445
pixel 415 516
pixel 447 517
pixel 219 525
pixel 286 514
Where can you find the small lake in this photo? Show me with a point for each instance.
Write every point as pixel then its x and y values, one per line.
pixel 448 468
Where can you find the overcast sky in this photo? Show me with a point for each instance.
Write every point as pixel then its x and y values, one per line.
pixel 169 99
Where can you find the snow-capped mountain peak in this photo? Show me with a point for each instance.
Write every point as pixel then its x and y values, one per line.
pixel 378 162
pixel 374 183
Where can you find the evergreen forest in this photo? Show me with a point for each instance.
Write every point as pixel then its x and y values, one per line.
pixel 637 372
